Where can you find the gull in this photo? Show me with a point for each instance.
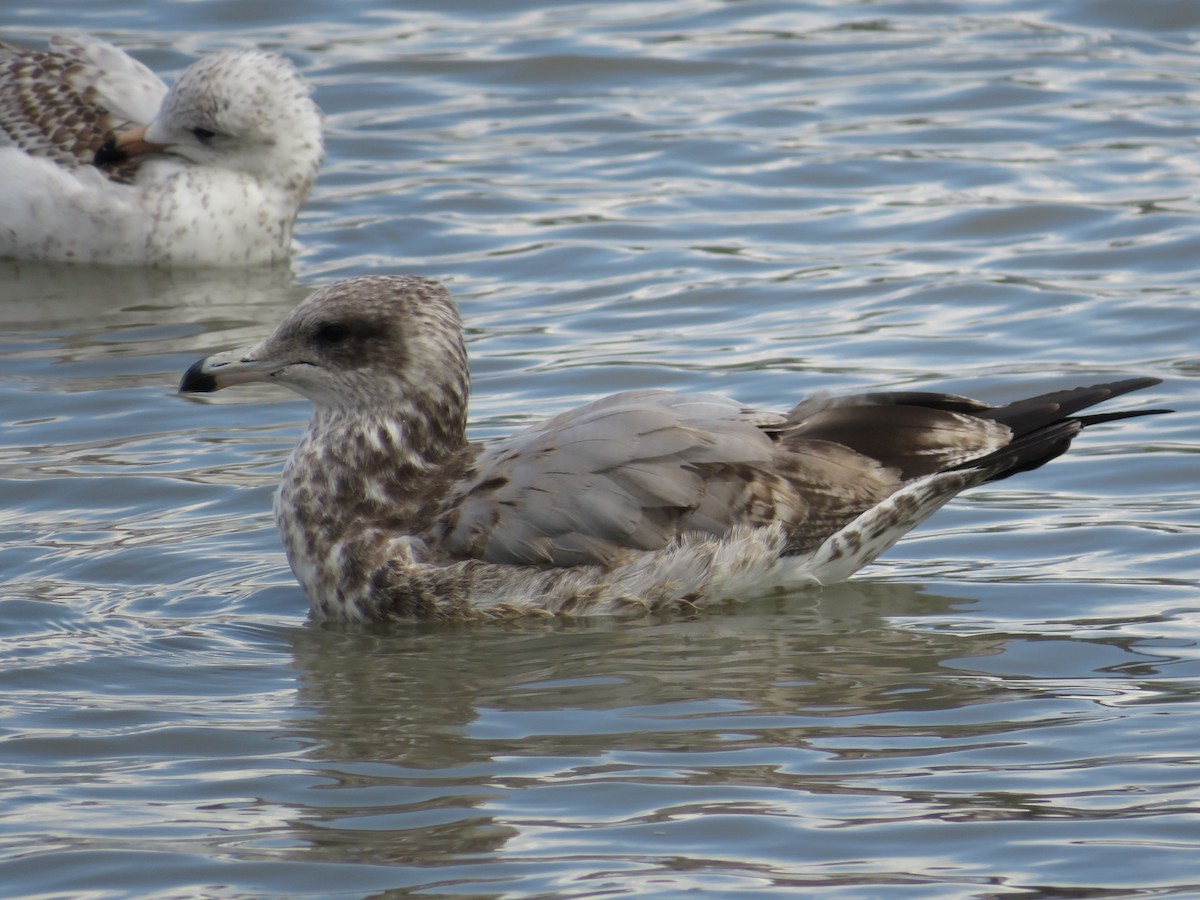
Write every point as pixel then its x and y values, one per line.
pixel 640 501
pixel 101 163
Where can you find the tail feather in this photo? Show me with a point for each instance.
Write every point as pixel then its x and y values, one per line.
pixel 862 540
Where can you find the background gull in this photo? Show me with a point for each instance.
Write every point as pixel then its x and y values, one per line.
pixel 638 501
pixel 100 163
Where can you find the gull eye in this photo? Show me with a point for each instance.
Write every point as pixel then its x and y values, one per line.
pixel 203 135
pixel 331 334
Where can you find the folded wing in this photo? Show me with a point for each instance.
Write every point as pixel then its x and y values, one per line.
pixel 637 470
pixel 63 103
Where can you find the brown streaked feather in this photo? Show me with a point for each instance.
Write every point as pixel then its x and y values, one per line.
pixel 50 108
pixel 914 439
pixel 837 484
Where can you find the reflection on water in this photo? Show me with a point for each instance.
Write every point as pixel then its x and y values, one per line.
pixel 813 724
pixel 829 655
pixel 40 296
pixel 788 696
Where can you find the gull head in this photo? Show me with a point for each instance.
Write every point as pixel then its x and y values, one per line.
pixel 365 345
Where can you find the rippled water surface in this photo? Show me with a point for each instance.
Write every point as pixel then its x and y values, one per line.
pixel 757 198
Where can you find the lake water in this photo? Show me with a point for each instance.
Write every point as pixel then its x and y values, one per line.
pixel 758 198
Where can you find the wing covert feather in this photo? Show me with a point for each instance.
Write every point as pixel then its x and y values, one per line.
pixel 618 474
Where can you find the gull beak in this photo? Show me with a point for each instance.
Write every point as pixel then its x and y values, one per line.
pixel 125 145
pixel 224 369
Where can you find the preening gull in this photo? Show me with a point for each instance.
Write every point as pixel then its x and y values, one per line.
pixel 100 163
pixel 639 501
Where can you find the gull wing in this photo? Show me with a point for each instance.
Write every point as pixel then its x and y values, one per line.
pixel 628 472
pixel 63 103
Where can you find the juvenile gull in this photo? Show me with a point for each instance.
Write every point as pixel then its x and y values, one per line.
pixel 100 163
pixel 639 501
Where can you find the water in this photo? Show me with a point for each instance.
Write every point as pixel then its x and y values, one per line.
pixel 758 198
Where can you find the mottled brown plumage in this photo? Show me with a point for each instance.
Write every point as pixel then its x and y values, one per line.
pixel 51 107
pixel 640 500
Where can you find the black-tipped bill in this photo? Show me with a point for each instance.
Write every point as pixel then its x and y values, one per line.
pixel 196 380
pixel 124 146
pixel 110 154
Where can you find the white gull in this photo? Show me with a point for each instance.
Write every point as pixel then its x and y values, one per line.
pixel 639 501
pixel 100 163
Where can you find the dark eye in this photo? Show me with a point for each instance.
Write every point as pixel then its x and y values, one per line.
pixel 330 334
pixel 203 135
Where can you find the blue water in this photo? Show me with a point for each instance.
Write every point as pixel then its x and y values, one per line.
pixel 761 199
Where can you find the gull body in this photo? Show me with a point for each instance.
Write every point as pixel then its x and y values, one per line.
pixel 642 500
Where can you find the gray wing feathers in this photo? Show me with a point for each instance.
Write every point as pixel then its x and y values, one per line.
pixel 635 470
pixel 618 474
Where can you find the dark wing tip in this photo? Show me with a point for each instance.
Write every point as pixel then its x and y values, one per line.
pixel 196 380
pixel 1044 426
pixel 1032 413
pixel 1097 418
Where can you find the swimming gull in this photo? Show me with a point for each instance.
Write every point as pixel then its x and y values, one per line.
pixel 642 500
pixel 100 163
